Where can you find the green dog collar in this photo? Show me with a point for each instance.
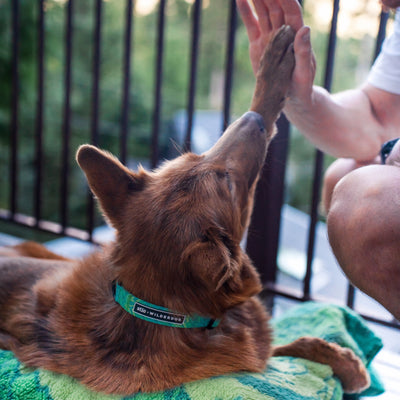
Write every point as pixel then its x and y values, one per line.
pixel 159 315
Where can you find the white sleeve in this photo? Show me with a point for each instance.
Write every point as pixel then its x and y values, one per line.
pixel 385 73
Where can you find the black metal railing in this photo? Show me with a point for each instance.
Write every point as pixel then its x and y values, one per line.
pixel 263 237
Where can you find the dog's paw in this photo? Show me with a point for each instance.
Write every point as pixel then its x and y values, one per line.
pixel 351 371
pixel 277 62
pixel 274 75
pixel 349 368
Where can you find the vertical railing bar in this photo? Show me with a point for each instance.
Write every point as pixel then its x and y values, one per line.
pixel 14 108
pixel 126 81
pixel 264 230
pixel 193 71
pixel 158 85
pixel 66 130
pixel 263 234
pixel 331 47
pixel 319 159
pixel 351 295
pixel 39 114
pixel 317 179
pixel 229 66
pixel 94 128
pixel 384 16
pixel 381 33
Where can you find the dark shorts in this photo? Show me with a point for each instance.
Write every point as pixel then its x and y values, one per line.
pixel 386 149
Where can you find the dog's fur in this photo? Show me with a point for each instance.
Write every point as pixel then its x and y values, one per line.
pixel 178 245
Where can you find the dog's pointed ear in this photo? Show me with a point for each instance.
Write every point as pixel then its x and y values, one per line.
pixel 110 181
pixel 205 260
pixel 223 270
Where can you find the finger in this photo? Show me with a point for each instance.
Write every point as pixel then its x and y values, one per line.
pixel 263 15
pixel 249 19
pixel 292 13
pixel 275 13
pixel 305 61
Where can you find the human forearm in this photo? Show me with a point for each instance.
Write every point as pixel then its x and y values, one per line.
pixel 351 124
pixel 341 125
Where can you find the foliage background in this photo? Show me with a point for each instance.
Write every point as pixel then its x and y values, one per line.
pixel 354 54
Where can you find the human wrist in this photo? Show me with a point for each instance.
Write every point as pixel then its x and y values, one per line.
pixel 296 106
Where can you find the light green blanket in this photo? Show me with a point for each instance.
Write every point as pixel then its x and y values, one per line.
pixel 285 378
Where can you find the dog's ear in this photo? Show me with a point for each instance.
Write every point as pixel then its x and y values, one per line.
pixel 206 260
pixel 110 181
pixel 223 269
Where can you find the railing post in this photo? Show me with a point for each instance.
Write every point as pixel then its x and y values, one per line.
pixel 159 71
pixel 263 234
pixel 14 129
pixel 196 22
pixel 319 159
pixel 66 127
pixel 126 81
pixel 229 65
pixel 39 114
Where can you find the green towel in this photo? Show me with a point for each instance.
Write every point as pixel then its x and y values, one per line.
pixel 285 377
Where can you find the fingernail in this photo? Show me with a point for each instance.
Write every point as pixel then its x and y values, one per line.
pixel 306 35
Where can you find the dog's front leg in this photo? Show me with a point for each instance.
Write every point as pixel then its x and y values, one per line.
pixel 344 363
pixel 274 76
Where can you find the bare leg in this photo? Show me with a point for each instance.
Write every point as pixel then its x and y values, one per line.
pixel 364 231
pixel 344 363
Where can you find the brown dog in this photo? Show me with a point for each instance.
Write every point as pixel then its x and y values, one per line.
pixel 178 250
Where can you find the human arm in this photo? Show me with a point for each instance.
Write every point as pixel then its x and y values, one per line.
pixel 348 124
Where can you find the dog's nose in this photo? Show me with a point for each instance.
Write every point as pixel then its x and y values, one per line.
pixel 246 137
pixel 252 116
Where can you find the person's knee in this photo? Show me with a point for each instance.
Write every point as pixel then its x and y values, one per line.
pixel 361 200
pixel 334 173
pixel 368 192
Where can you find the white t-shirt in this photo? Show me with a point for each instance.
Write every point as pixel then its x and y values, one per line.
pixel 385 73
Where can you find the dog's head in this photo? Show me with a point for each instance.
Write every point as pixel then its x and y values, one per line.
pixel 179 228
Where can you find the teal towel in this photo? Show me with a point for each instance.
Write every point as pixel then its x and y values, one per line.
pixel 285 378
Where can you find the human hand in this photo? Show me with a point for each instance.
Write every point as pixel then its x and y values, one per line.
pixel 271 15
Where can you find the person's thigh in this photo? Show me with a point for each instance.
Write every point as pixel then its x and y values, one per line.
pixel 364 231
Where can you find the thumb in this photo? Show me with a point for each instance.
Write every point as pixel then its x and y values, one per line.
pixel 304 72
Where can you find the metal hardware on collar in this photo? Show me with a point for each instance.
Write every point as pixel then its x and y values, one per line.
pixel 159 315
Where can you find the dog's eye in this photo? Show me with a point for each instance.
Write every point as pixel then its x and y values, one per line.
pixel 224 175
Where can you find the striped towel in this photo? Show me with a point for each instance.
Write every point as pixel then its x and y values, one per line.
pixel 285 378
